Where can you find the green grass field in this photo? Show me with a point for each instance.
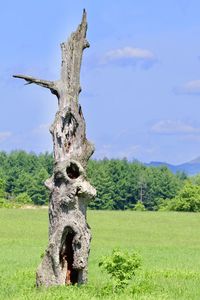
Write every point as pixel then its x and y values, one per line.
pixel 169 244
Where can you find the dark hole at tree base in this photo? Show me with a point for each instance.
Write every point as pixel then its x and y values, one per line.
pixel 67 256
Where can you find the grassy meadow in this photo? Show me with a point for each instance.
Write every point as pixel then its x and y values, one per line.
pixel 168 242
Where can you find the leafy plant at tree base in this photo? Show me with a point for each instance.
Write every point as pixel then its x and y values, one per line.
pixel 121 266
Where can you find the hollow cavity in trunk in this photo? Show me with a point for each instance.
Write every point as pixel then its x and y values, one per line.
pixel 67 257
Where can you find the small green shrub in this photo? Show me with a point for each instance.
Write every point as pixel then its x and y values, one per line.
pixel 2 193
pixel 121 266
pixel 23 198
pixel 4 203
pixel 139 206
pixel 17 202
pixel 188 199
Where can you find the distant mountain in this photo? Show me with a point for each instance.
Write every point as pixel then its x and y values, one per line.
pixel 195 161
pixel 190 168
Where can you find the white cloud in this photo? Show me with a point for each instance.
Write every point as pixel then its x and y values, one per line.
pixel 174 127
pixel 130 152
pixel 128 55
pixel 4 135
pixel 129 52
pixel 41 129
pixel 191 88
pixel 111 151
pixel 190 138
pixel 103 151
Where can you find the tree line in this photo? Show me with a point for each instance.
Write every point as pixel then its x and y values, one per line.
pixel 22 176
pixel 120 184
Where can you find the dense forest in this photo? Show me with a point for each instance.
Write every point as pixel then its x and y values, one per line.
pixel 120 184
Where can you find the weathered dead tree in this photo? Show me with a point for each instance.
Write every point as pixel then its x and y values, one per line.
pixel 66 258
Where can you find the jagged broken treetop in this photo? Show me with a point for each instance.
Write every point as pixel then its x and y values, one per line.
pixel 67 90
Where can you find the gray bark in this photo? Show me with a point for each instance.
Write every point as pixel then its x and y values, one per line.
pixel 66 258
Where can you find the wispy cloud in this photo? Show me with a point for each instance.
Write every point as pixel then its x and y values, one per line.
pixel 191 88
pixel 130 151
pixel 4 135
pixel 174 127
pixel 129 52
pixel 111 151
pixel 41 129
pixel 130 56
pixel 190 138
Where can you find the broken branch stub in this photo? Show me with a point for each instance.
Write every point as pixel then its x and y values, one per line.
pixel 66 258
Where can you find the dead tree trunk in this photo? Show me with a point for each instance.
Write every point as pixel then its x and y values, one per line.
pixel 66 258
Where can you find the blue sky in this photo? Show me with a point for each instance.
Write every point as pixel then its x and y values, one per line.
pixel 140 78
